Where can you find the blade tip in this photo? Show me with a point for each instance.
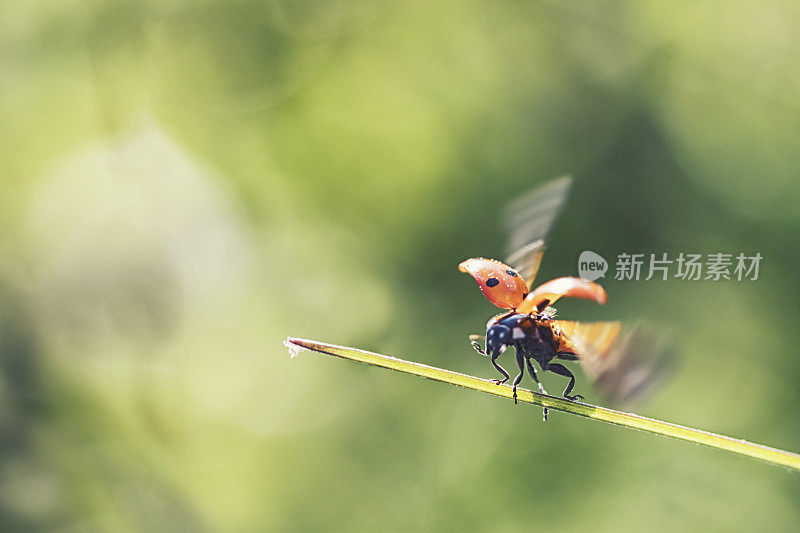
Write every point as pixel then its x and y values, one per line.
pixel 294 345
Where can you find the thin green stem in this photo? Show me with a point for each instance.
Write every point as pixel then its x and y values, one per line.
pixel 742 447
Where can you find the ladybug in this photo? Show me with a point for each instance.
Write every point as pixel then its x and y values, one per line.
pixel 529 325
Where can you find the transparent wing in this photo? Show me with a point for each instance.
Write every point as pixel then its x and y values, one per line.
pixel 527 259
pixel 626 363
pixel 589 340
pixel 528 221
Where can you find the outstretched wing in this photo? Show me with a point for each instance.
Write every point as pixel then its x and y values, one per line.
pixel 626 363
pixel 528 221
pixel 589 340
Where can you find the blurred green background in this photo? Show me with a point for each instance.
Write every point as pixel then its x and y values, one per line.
pixel 184 184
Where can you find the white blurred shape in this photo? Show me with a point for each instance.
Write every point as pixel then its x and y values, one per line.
pixel 129 232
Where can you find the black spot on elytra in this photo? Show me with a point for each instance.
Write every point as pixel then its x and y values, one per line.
pixel 492 282
pixel 512 273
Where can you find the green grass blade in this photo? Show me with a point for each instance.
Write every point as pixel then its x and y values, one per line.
pixel 742 447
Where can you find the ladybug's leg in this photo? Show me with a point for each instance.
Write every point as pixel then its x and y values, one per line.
pixel 532 372
pixel 563 371
pixel 521 363
pixel 500 369
pixel 478 348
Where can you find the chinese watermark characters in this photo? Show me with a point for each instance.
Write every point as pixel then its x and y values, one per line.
pixel 686 266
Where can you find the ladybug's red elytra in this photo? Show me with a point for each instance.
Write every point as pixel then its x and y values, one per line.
pixel 500 283
pixel 506 288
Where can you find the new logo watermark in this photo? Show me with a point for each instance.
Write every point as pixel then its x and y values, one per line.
pixel 591 266
pixel 686 266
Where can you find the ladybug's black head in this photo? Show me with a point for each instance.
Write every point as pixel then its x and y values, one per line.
pixel 498 337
